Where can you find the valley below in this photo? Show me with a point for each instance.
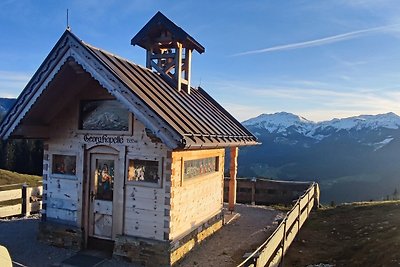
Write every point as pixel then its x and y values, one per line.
pixel 353 159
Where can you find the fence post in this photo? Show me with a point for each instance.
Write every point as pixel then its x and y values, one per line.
pixel 253 191
pixel 281 264
pixel 26 207
pixel 316 196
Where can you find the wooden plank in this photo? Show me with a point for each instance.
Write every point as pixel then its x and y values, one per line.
pixel 145 204
pixel 10 210
pixel 270 247
pixel 102 207
pixel 290 237
pixel 303 202
pixel 144 192
pixel 303 217
pixel 310 205
pixel 292 217
pixel 62 188
pixel 65 204
pixel 147 230
pixel 312 191
pixel 276 260
pixel 64 215
pixel 10 194
pixel 144 215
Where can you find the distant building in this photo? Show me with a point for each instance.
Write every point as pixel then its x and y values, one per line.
pixel 132 157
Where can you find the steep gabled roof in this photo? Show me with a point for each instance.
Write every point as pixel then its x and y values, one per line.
pixel 159 23
pixel 179 119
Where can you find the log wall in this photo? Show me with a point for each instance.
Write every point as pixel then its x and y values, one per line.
pixel 197 199
pixel 138 209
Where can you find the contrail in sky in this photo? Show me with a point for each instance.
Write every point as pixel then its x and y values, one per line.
pixel 318 42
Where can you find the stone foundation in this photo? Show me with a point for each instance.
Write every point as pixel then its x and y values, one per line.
pixel 60 235
pixel 194 239
pixel 146 252
pixel 143 251
pixel 150 252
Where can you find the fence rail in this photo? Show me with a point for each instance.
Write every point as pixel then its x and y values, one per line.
pixel 271 252
pixel 20 201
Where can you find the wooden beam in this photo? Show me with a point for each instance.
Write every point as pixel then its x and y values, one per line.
pixel 178 66
pixel 148 59
pixel 188 64
pixel 232 182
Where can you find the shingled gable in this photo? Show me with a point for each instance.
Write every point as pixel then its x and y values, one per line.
pixel 179 119
pixel 160 22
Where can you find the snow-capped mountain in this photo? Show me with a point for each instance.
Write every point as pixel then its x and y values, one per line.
pixel 5 105
pixel 354 158
pixel 284 123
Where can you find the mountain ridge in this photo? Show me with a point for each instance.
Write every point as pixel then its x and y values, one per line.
pixel 353 159
pixel 281 122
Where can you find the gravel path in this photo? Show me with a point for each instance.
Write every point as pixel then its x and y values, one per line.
pixel 18 235
pixel 225 248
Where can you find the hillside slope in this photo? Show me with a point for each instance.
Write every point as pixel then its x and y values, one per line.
pixel 353 159
pixel 360 234
pixel 9 177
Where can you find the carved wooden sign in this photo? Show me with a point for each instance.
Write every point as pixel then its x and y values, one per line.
pixel 103 139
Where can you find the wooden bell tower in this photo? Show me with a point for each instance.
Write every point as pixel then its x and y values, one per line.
pixel 169 50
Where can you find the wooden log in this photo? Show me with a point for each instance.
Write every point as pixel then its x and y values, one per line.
pixel 10 210
pixel 232 182
pixel 26 207
pixel 188 64
pixel 10 194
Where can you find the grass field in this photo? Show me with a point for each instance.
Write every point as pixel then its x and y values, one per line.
pixel 8 177
pixel 358 234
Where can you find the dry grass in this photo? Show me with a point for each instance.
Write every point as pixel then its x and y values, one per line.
pixel 9 177
pixel 357 234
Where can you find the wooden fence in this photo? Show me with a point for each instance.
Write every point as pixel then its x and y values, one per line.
pixel 262 191
pixel 21 201
pixel 271 252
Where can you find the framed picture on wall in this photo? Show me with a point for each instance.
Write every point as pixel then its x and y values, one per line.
pixel 103 115
pixel 144 172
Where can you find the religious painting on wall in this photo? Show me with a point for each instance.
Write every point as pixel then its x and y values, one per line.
pixel 143 171
pixel 104 115
pixel 104 179
pixel 64 164
pixel 198 167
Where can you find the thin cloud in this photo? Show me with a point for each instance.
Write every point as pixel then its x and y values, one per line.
pixel 321 41
pixel 12 83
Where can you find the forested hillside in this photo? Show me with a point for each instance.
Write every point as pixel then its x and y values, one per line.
pixel 23 156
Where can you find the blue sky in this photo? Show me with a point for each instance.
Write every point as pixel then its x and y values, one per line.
pixel 317 59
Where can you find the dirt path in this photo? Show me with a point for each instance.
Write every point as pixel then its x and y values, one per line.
pixel 228 245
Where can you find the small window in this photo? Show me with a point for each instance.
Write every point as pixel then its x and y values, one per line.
pixel 64 165
pixel 143 171
pixel 103 115
pixel 197 167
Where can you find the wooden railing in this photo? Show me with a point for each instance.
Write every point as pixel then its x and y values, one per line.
pixel 271 252
pixel 21 201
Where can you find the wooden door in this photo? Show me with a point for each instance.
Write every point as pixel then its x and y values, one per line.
pixel 102 177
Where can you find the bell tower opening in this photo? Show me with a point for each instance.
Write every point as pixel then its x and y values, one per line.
pixel 169 50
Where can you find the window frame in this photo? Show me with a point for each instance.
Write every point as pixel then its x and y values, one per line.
pixel 199 176
pixel 102 132
pixel 60 175
pixel 160 161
